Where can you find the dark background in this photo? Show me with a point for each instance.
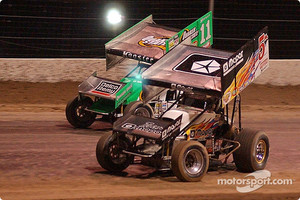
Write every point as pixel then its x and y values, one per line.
pixel 78 28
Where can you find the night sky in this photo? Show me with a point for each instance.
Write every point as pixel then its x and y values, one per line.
pixel 78 29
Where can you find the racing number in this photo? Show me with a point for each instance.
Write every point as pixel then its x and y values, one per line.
pixel 203 39
pixel 262 45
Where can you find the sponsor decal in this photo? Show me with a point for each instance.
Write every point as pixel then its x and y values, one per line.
pixel 138 57
pixel 124 92
pixel 254 65
pixel 152 41
pixel 151 127
pixel 242 79
pixel 174 41
pixel 233 62
pixel 171 128
pixel 204 128
pixel 147 127
pixel 200 64
pixel 205 66
pixel 107 88
pixel 181 87
pixel 187 33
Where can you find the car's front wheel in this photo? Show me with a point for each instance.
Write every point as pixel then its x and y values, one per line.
pixel 109 152
pixel 190 161
pixel 138 108
pixel 76 114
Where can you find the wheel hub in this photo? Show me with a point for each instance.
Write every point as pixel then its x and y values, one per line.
pixel 193 162
pixel 261 149
pixel 115 153
pixel 142 112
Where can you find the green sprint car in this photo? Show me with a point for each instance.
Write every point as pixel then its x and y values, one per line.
pixel 145 43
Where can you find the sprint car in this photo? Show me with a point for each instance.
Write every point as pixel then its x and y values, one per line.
pixel 145 43
pixel 198 127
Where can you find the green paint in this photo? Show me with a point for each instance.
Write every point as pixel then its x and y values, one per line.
pixel 200 30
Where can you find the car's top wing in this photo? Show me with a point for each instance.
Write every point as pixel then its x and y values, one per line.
pixel 144 42
pixel 148 41
pixel 188 68
pixel 245 65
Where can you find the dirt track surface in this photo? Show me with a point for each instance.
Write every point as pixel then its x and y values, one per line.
pixel 43 157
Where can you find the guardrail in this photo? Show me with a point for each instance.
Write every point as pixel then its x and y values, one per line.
pixel 280 73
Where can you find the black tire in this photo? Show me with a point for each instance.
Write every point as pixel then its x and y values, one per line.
pixel 254 151
pixel 190 161
pixel 138 108
pixel 108 153
pixel 76 114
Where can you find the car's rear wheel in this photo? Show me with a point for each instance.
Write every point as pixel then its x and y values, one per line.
pixel 190 161
pixel 138 108
pixel 254 151
pixel 109 152
pixel 76 114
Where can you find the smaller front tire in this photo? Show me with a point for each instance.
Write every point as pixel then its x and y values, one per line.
pixel 190 161
pixel 109 152
pixel 76 114
pixel 253 152
pixel 138 108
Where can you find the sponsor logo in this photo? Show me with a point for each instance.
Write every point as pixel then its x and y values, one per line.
pixel 200 64
pixel 204 128
pixel 171 128
pixel 233 62
pixel 147 127
pixel 151 127
pixel 181 87
pixel 124 92
pixel 226 98
pixel 137 57
pixel 187 33
pixel 108 87
pixel 152 41
pixel 174 41
pixel 206 66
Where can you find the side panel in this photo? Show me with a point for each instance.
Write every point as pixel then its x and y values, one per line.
pixel 245 65
pixel 123 94
pixel 136 89
pixel 204 126
pixel 200 31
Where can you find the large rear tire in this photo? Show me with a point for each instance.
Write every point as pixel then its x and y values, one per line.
pixel 254 151
pixel 190 161
pixel 109 152
pixel 76 114
pixel 138 108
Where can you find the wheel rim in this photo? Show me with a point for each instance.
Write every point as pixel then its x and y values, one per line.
pixel 142 112
pixel 261 151
pixel 116 155
pixel 81 113
pixel 193 162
